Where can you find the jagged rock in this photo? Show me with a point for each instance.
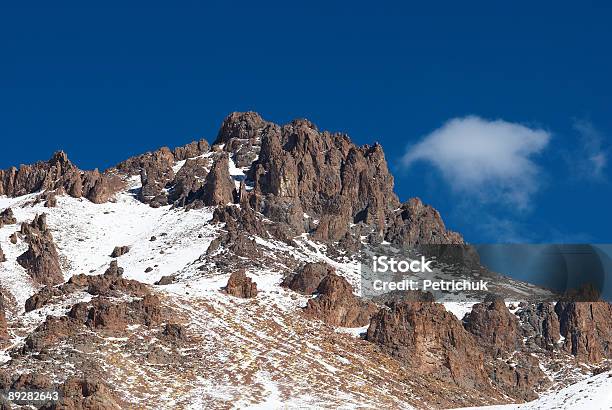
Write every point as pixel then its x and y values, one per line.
pixel 2 257
pixel 320 172
pixel 59 174
pixel 3 324
pixel 188 181
pixel 219 187
pixel 31 381
pixel 114 269
pixel 174 332
pixel 165 280
pixel 308 278
pixel 587 329
pixel 399 296
pixel 191 150
pixel 51 200
pixel 519 377
pixel 415 224
pixel 119 251
pixel 540 324
pixel 41 260
pixel 240 285
pixel 494 326
pixel 41 298
pixel 101 313
pixel 431 340
pixel 110 284
pixel 7 217
pixel 239 219
pixel 336 304
pixel 13 238
pixel 85 394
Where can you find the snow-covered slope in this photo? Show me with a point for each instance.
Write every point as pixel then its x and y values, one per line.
pixel 258 353
pixel 593 393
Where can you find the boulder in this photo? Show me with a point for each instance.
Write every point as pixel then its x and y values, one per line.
pixel 336 304
pixel 307 279
pixel 7 217
pixel 240 285
pixel 119 251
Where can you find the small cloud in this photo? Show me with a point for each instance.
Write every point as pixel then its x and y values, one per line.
pixel 590 160
pixel 489 160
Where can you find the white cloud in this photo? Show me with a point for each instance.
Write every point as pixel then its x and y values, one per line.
pixel 491 160
pixel 591 159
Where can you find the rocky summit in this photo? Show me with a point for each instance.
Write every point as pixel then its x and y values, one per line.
pixel 227 275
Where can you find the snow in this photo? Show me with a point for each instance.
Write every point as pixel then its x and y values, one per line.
pixel 594 393
pixel 268 329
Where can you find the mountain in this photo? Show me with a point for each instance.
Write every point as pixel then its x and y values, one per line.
pixel 228 275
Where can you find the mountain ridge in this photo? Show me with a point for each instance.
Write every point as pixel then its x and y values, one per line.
pixel 238 285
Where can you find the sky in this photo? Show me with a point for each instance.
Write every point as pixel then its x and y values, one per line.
pixel 499 114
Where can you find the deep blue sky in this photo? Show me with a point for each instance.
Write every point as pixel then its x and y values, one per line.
pixel 107 82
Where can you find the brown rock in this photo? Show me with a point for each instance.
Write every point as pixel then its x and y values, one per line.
pixel 431 340
pixel 85 394
pixel 3 324
pixel 540 324
pixel 494 326
pixel 219 187
pixel 240 285
pixel 2 257
pixel 7 217
pixel 174 332
pixel 165 280
pixel 41 260
pixel 336 304
pixel 41 298
pixel 58 174
pixel 415 224
pixel 519 377
pixel 307 279
pixel 191 150
pixel 119 251
pixel 587 328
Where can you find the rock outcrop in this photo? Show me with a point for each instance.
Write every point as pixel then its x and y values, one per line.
pixel 109 284
pixel 85 393
pixel 587 329
pixel 336 304
pixel 307 279
pixel 3 323
pixel 219 187
pixel 41 260
pixel 2 257
pixel 240 285
pixel 7 217
pixel 300 170
pixel 59 174
pixel 415 223
pixel 119 251
pixel 432 341
pixel 540 325
pixel 496 329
